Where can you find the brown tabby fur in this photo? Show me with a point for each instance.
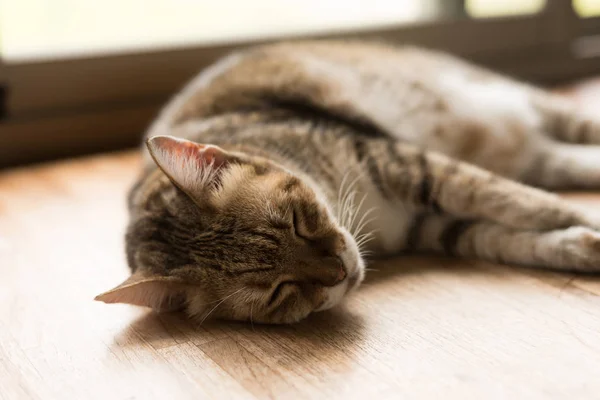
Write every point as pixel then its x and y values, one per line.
pixel 323 150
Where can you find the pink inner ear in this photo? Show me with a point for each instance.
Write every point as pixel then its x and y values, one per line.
pixel 191 166
pixel 186 150
pixel 211 155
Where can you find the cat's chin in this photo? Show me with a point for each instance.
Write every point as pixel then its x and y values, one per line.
pixel 334 296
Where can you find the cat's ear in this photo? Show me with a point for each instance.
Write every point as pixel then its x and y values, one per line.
pixel 190 166
pixel 159 293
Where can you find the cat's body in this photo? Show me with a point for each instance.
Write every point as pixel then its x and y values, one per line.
pixel 386 149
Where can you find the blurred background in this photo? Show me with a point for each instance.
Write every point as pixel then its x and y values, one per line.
pixel 82 76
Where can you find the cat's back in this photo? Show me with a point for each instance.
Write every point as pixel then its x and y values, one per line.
pixel 354 80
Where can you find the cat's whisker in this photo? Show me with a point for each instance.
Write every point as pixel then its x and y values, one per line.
pixel 366 218
pixel 358 237
pixel 214 301
pixel 366 234
pixel 218 304
pixel 343 209
pixel 343 201
pixel 344 197
pixel 363 236
pixel 355 181
pixel 364 221
pixel 348 207
pixel 346 191
pixel 341 194
pixel 345 217
pixel 350 226
pixel 364 239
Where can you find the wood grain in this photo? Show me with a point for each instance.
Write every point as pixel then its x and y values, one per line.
pixel 419 328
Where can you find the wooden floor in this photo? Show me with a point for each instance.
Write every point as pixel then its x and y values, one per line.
pixel 423 328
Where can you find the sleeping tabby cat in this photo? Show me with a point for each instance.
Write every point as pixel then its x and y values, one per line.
pixel 280 166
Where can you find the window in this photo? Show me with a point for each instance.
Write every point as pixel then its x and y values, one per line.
pixel 587 8
pixel 491 8
pixel 84 75
pixel 41 29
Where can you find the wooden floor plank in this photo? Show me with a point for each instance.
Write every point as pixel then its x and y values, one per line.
pixel 256 377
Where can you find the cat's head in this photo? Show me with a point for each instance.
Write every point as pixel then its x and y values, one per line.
pixel 234 236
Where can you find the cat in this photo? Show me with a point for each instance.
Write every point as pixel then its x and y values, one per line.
pixel 271 175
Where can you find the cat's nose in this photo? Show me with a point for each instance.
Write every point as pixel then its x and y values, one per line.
pixel 341 273
pixel 327 273
pixel 335 274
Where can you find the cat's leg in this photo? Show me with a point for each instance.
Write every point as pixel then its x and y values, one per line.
pixel 569 155
pixel 564 166
pixel 407 175
pixel 575 248
pixel 563 121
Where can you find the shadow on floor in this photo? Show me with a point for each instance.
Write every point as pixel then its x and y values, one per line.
pixel 322 337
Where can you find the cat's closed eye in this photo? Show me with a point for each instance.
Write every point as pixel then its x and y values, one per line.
pixel 297 228
pixel 278 291
pixel 291 222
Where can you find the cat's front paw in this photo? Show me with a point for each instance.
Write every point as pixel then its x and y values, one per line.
pixel 579 249
pixel 590 217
